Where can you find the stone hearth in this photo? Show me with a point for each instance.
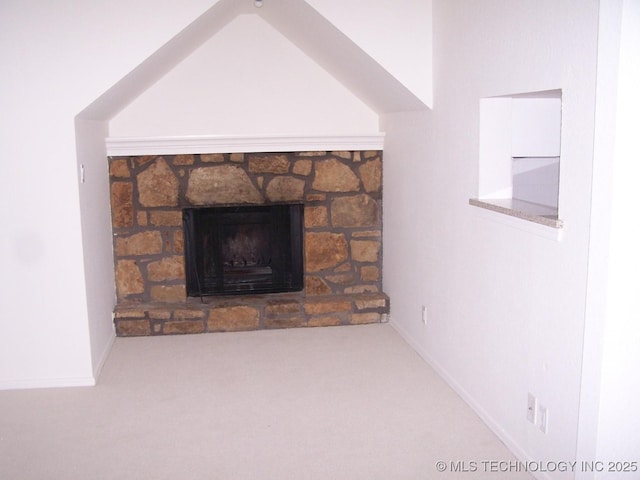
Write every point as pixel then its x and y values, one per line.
pixel 342 196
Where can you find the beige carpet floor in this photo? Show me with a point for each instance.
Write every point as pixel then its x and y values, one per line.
pixel 324 403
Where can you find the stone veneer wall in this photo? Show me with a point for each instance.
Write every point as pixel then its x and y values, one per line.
pixel 342 194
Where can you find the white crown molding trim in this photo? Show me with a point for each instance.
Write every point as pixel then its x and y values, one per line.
pixel 193 144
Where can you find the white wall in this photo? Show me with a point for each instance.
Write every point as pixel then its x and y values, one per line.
pixel 609 423
pixel 58 58
pixel 619 421
pixel 505 307
pixel 247 79
pixel 396 33
pixel 73 66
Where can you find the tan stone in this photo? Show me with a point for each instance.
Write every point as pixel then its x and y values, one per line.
pixel 371 175
pixel 345 267
pixel 278 164
pixel 362 289
pixel 317 153
pixel 145 243
pixel 122 204
pixel 129 313
pixel 232 319
pixel 285 322
pixel 276 308
pixel 161 218
pixel 160 314
pixel 285 189
pixel 369 273
pixel 315 307
pixel 212 157
pixel 119 168
pixel 342 154
pixel 237 157
pixel 184 314
pixel 315 286
pixel 342 279
pixel 356 157
pixel 183 326
pixel 355 211
pixel 334 176
pixel 362 318
pixel 365 302
pixel 365 250
pixel 168 293
pixel 221 184
pixel 183 160
pixel 367 234
pixel 303 167
pixel 133 328
pixel 315 217
pixel 178 242
pixel 324 250
pixel 158 185
pixel 324 321
pixel 129 279
pixel 141 218
pixel 142 160
pixel 169 268
pixel 371 153
pixel 316 197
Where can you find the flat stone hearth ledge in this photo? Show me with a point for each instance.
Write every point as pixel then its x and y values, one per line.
pixel 245 313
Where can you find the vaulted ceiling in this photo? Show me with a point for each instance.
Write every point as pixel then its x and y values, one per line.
pixel 301 24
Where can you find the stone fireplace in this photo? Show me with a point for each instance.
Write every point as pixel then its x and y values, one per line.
pixel 340 194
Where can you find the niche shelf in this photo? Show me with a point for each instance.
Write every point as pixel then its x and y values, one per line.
pixel 519 157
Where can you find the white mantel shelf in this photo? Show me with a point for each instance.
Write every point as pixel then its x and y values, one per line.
pixel 192 144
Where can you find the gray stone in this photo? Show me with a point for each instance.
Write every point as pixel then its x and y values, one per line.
pixel 221 184
pixel 356 211
pixel 285 189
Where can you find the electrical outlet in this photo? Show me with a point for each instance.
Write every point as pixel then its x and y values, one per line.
pixel 543 418
pixel 532 408
pixel 424 314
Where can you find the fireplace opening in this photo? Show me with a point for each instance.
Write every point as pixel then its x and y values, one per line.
pixel 243 249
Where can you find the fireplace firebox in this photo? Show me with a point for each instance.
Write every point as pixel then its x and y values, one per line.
pixel 243 249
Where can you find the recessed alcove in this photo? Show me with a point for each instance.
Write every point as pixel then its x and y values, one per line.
pixel 229 118
pixel 519 156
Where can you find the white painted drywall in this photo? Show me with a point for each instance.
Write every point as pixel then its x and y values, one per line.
pixel 73 66
pixel 59 58
pixel 396 33
pixel 505 307
pixel 494 150
pixel 247 79
pixel 536 127
pixel 609 419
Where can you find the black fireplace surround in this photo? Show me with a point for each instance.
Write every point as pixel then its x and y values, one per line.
pixel 243 249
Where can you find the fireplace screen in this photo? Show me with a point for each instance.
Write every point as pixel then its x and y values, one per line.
pixel 243 249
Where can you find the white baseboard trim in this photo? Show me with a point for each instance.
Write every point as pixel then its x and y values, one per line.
pixel 32 383
pixel 97 368
pixel 194 144
pixel 469 400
